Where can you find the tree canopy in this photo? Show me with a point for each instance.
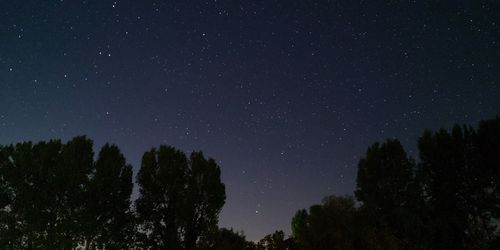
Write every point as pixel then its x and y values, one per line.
pixel 180 198
pixel 447 199
pixel 56 195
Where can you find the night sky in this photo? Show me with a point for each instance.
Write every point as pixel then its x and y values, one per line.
pixel 285 95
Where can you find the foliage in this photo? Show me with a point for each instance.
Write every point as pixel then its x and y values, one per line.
pixel 227 239
pixel 55 195
pixel 462 170
pixel 326 226
pixel 108 219
pixel 50 194
pixel 388 189
pixel 448 200
pixel 275 241
pixel 180 198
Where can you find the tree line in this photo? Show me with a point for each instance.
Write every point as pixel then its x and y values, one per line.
pixel 56 195
pixel 447 199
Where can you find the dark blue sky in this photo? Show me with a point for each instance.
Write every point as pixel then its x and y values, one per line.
pixel 285 95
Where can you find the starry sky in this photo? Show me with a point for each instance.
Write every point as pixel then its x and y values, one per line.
pixel 285 95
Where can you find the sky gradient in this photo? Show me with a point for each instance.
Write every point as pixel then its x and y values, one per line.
pixel 285 95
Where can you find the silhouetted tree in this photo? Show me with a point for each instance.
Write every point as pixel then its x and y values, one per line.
pixel 274 241
pixel 327 226
pixel 180 198
pixel 9 232
pixel 20 215
pixel 461 171
pixel 108 219
pixel 391 197
pixel 300 224
pixel 449 200
pixel 72 179
pixel 52 195
pixel 45 185
pixel 384 176
pixel 227 239
pixel 487 194
pixel 204 198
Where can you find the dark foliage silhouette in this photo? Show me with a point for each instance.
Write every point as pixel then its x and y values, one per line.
pixel 326 225
pixel 108 219
pixel 447 200
pixel 180 199
pixel 388 189
pixel 56 195
pixel 462 170
pixel 46 186
pixel 274 241
pixel 228 239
